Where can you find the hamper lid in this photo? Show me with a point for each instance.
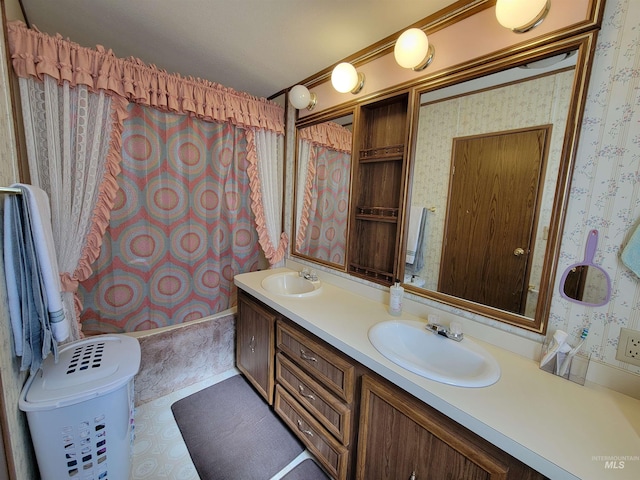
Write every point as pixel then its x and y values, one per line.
pixel 85 369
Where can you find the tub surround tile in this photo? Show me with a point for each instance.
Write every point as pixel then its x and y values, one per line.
pixel 179 357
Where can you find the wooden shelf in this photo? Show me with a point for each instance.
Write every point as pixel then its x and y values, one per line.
pixel 382 154
pixel 371 273
pixel 377 218
pixel 377 214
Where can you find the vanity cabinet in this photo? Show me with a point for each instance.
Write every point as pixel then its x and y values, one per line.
pixel 354 422
pixel 378 188
pixel 315 393
pixel 402 438
pixel 255 349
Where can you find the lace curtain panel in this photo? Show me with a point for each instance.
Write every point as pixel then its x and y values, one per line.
pixel 305 172
pixel 69 137
pixel 267 190
pixel 181 228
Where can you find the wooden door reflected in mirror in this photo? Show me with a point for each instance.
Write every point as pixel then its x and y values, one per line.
pixel 484 241
pixel 493 201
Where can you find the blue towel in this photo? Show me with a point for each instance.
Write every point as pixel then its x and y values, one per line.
pixel 33 338
pixel 414 267
pixel 631 253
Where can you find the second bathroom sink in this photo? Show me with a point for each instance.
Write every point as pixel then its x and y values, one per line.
pixel 407 343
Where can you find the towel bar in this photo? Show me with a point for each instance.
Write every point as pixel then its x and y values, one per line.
pixel 13 190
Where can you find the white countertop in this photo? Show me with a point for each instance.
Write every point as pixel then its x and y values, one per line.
pixel 561 429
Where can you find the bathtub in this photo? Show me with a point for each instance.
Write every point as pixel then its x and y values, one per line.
pixel 177 356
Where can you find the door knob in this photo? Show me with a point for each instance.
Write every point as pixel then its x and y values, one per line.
pixel 518 252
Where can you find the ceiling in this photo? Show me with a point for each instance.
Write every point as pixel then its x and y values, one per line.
pixel 256 46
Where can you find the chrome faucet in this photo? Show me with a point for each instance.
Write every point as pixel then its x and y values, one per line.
pixel 312 276
pixel 454 332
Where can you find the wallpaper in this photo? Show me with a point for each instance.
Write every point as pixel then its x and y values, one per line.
pixel 605 190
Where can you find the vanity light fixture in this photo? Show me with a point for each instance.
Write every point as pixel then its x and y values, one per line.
pixel 413 50
pixel 345 78
pixel 300 97
pixel 520 16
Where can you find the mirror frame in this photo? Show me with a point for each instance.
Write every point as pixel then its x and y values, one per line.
pixel 327 116
pixel 584 43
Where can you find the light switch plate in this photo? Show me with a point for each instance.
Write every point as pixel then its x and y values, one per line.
pixel 629 346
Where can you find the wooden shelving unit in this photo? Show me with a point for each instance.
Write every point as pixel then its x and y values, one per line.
pixel 378 188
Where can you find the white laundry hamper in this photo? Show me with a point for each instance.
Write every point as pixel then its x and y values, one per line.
pixel 80 409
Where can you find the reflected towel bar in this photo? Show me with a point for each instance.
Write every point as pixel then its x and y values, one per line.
pixel 10 190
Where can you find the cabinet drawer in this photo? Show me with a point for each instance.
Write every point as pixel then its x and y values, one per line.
pixel 327 450
pixel 334 415
pixel 332 370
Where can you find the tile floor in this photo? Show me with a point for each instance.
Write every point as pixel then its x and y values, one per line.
pixel 159 451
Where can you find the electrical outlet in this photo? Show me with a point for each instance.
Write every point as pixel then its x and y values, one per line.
pixel 629 346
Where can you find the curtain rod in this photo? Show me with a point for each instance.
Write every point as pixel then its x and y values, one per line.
pixel 13 190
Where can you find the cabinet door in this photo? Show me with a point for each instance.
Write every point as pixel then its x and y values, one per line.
pixel 399 441
pixel 255 348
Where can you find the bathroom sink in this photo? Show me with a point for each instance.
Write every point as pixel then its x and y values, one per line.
pixel 408 344
pixel 290 284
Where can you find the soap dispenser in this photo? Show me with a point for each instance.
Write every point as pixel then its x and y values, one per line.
pixel 396 292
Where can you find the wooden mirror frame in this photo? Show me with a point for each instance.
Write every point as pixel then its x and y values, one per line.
pixel 585 45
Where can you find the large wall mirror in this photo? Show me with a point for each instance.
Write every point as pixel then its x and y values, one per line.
pixel 490 171
pixel 322 185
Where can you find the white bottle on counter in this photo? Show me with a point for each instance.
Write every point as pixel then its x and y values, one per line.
pixel 396 292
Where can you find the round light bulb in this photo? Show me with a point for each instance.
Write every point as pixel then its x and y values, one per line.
pixel 521 15
pixel 411 48
pixel 300 97
pixel 344 77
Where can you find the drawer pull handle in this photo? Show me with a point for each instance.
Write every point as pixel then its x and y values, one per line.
pixel 306 395
pixel 306 432
pixel 252 344
pixel 304 356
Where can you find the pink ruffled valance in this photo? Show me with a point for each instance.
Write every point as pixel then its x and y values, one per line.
pixel 328 134
pixel 35 54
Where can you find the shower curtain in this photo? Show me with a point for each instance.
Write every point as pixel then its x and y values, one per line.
pixel 181 228
pixel 324 153
pixel 198 214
